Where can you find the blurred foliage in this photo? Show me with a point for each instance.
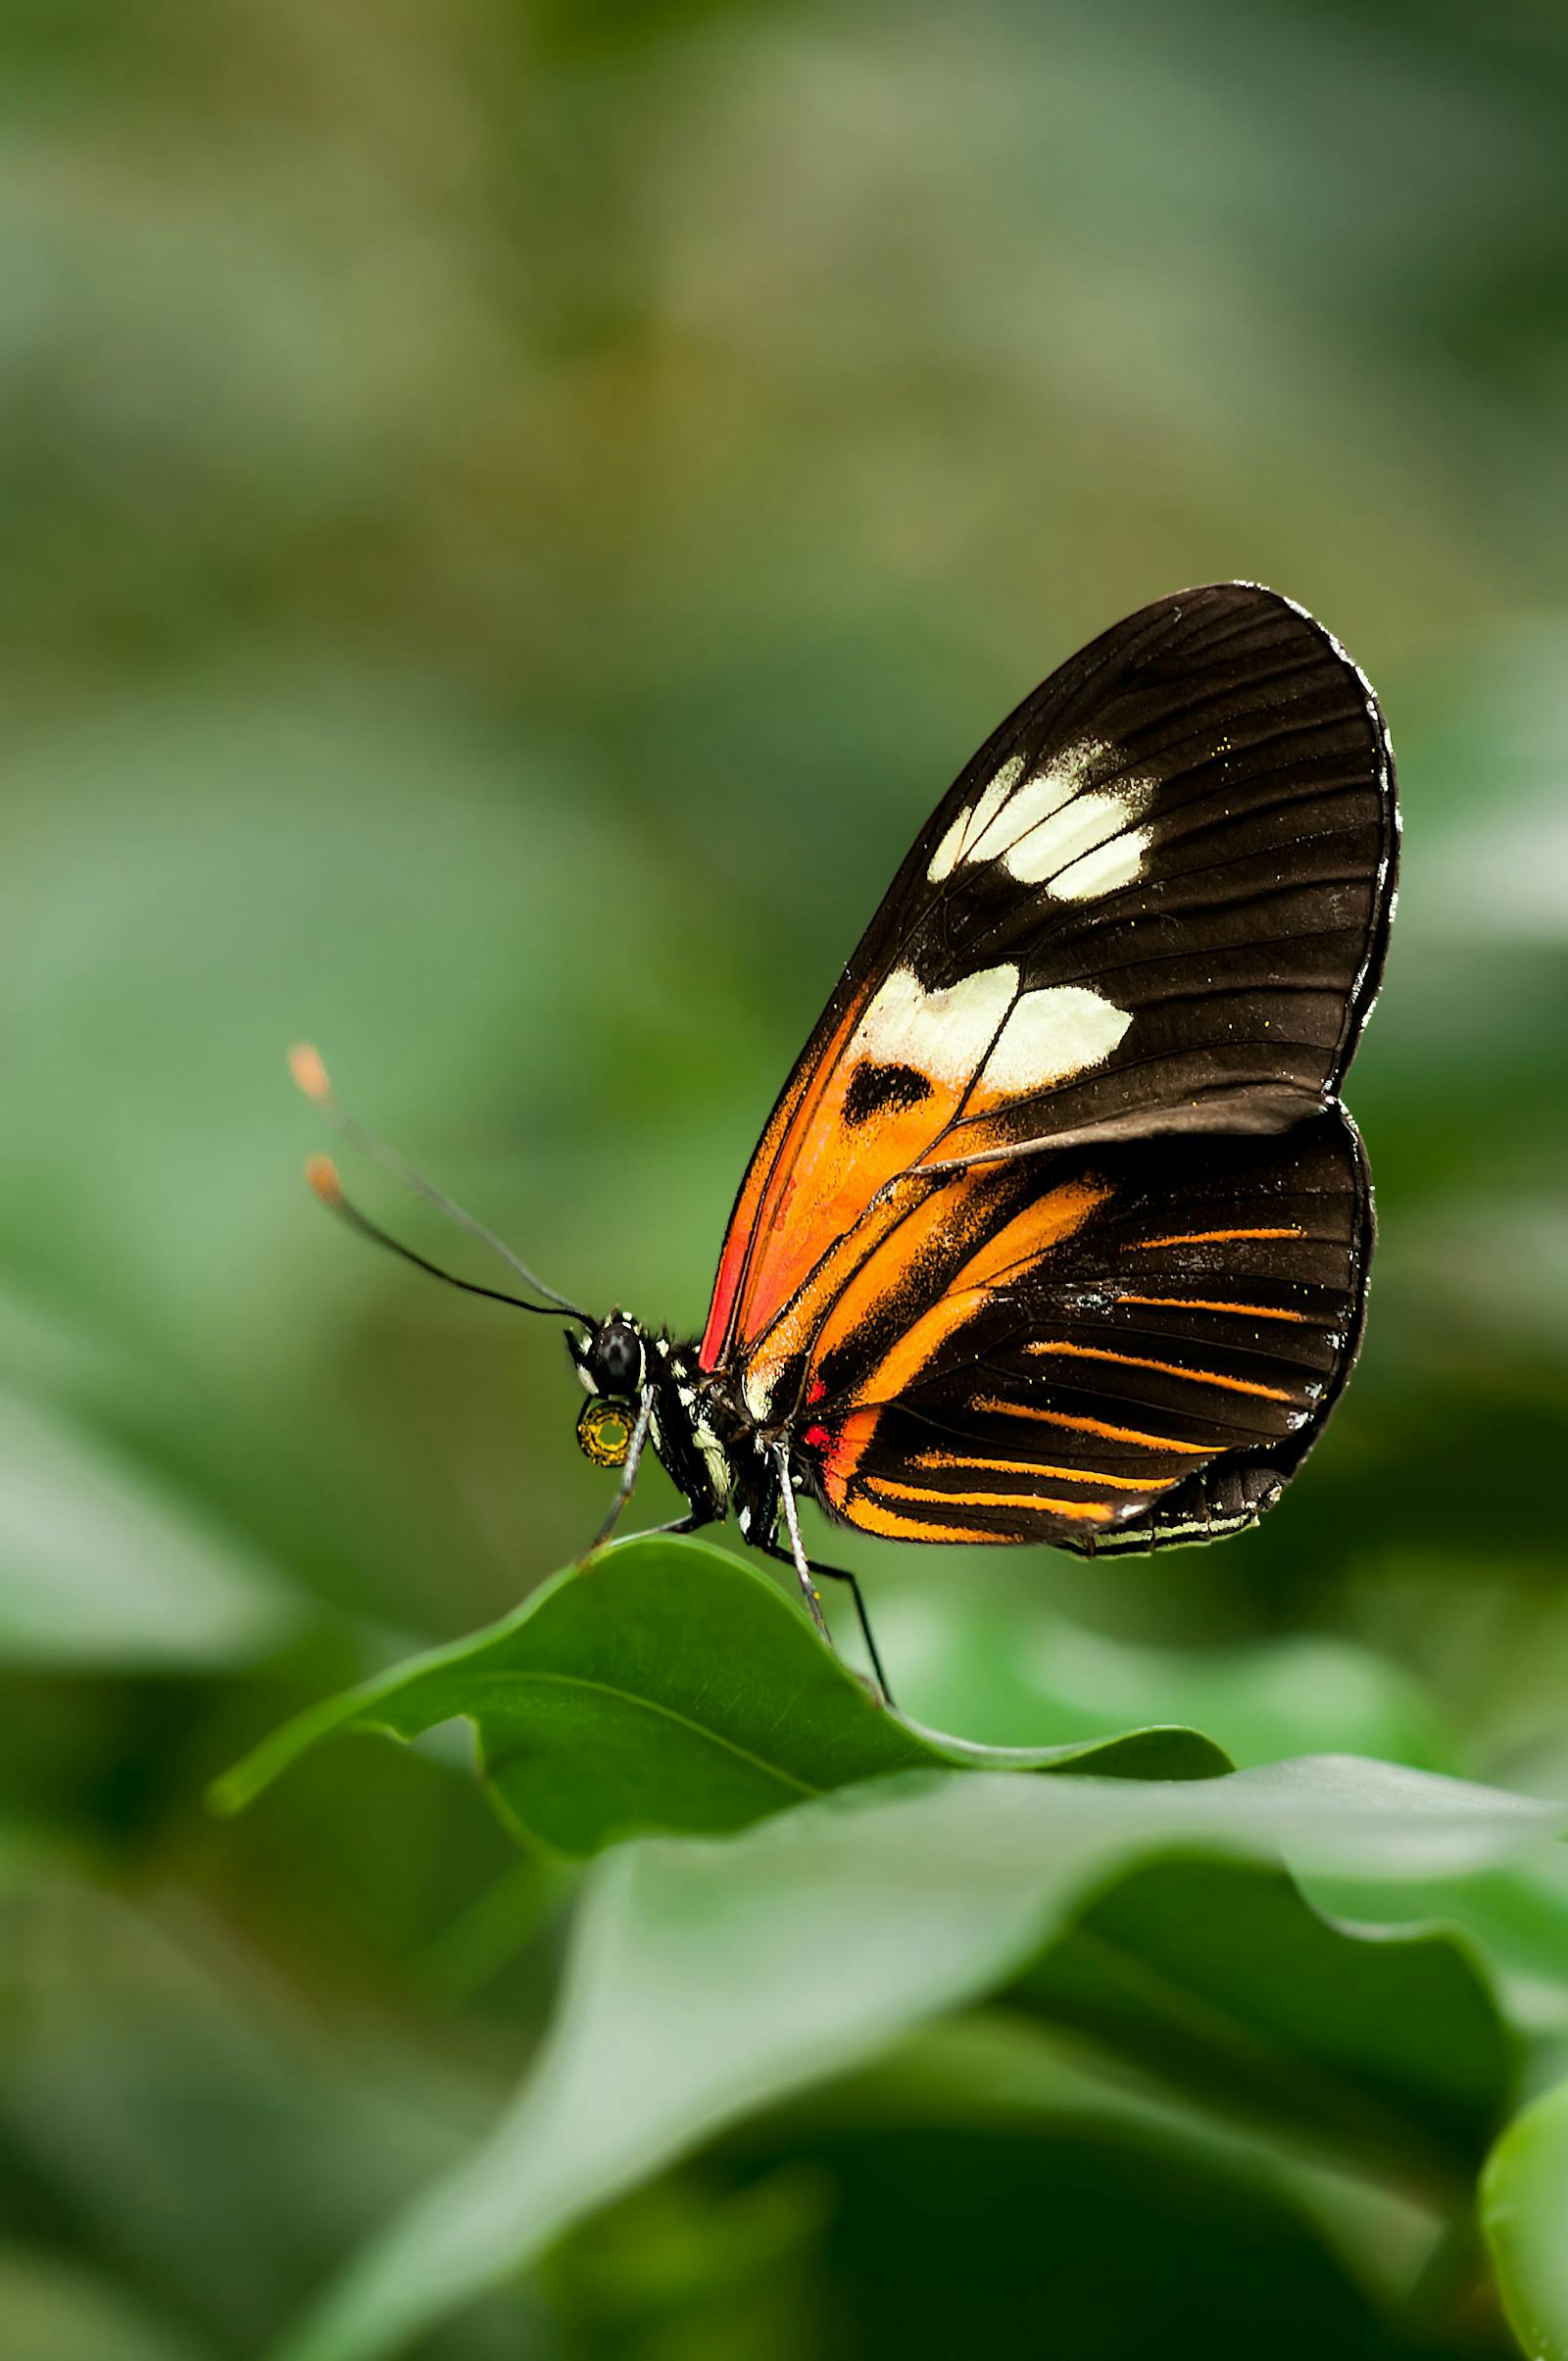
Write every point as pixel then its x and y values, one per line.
pixel 513 513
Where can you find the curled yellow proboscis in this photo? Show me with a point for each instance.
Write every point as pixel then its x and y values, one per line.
pixel 604 1432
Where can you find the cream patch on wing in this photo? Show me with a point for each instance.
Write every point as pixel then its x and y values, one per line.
pixel 1043 793
pixel 1043 826
pixel 974 816
pixel 942 1034
pixel 1091 824
pixel 1118 861
pixel 1061 1030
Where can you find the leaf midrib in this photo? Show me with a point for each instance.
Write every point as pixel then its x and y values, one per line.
pixel 642 1705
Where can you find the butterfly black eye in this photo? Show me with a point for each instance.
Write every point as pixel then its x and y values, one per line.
pixel 617 1357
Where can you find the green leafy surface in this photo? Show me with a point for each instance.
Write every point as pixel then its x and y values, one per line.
pixel 666 1685
pixel 1524 2206
pixel 927 2238
pixel 1217 1978
pixel 54 2312
pixel 101 1564
pixel 1516 1918
pixel 843 1923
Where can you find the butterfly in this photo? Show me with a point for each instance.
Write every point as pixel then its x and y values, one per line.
pixel 1058 1231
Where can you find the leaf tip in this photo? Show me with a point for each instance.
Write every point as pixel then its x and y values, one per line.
pixel 227 1796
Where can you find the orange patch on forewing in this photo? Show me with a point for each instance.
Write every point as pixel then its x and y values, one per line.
pixel 817 1172
pixel 1130 1360
pixel 1245 1312
pixel 835 1176
pixel 743 1222
pixel 1033 1467
pixel 841 1269
pixel 943 1216
pixel 1095 1426
pixel 1147 1246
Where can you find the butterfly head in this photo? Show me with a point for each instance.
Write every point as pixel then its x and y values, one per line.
pixel 612 1362
pixel 610 1358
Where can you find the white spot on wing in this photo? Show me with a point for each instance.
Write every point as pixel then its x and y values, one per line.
pixel 1036 800
pixel 1087 824
pixel 946 851
pixel 1042 825
pixel 942 1034
pixel 1116 863
pixel 976 819
pixel 997 793
pixel 1051 1034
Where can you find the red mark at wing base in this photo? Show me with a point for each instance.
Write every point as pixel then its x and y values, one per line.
pixel 816 1438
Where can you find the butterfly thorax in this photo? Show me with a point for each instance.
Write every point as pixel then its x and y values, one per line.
pixel 708 1444
pixel 699 1440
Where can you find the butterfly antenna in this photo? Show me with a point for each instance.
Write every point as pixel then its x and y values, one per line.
pixel 308 1071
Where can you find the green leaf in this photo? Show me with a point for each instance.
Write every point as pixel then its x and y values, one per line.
pixel 57 2309
pixel 915 2241
pixel 101 1564
pixel 994 2067
pixel 1515 1918
pixel 708 1979
pixel 1217 1978
pixel 1524 2210
pixel 665 1685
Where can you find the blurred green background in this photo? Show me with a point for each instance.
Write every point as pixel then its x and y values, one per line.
pixel 512 516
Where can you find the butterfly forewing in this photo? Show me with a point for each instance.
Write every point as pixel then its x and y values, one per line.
pixel 1061 1175
pixel 1156 899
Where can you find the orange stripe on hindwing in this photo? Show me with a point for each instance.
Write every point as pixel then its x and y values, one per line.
pixel 1095 1426
pixel 872 1517
pixel 846 1454
pixel 1093 1512
pixel 1132 1361
pixel 1033 1467
pixel 1242 1312
pixel 1147 1246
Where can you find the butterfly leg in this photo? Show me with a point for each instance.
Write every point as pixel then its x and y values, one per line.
pixel 795 1555
pixel 691 1522
pixel 804 1569
pixel 629 1472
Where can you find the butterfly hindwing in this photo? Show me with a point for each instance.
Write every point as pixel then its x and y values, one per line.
pixel 1101 1350
pixel 1153 904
